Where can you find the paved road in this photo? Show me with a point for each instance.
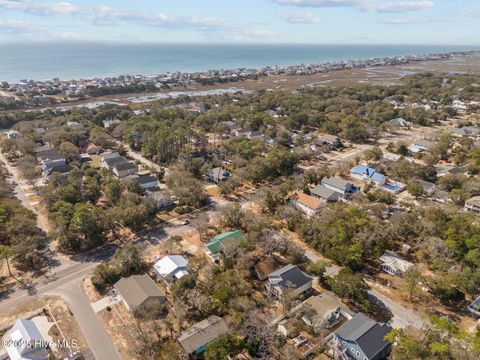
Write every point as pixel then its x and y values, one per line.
pixel 402 317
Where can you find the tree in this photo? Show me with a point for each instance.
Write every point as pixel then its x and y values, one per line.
pixel 232 217
pixel 317 268
pixel 6 252
pixel 113 191
pixel 350 286
pixel 70 151
pixel 415 189
pixel 413 278
pixel 223 347
pixel 201 225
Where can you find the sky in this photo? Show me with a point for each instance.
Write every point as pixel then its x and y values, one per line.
pixel 455 22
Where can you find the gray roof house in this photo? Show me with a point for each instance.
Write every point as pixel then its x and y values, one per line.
pixel 361 338
pixel 394 265
pixel 398 123
pixel 195 340
pixel 124 169
pixel 217 175
pixel 428 187
pixel 24 342
pixel 147 181
pixel 110 162
pixel 289 280
pixel 473 204
pixel 324 193
pixel 339 185
pixel 139 291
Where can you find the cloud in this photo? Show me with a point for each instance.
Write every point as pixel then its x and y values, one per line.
pixel 305 17
pixel 18 27
pixel 365 5
pixel 406 20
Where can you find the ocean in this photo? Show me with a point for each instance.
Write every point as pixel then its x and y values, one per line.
pixel 43 61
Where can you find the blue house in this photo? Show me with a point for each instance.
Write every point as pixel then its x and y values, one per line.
pixel 361 338
pixel 366 173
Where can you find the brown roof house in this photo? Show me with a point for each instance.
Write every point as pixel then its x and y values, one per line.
pixel 196 339
pixel 139 292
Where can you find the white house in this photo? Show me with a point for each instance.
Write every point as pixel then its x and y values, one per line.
pixel 171 268
pixel 24 342
pixel 473 204
pixel 309 205
pixel 394 265
pixel 12 134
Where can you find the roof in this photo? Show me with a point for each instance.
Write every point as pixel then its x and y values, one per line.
pixel 218 242
pixel 475 201
pixel 390 259
pixel 50 154
pixel 400 122
pixel 336 182
pixel 125 166
pixel 289 276
pixel 368 172
pixel 424 143
pixel 307 200
pixel 136 289
pixel 325 193
pixel 25 341
pixel 328 138
pixel 109 156
pixel 426 185
pixel 145 179
pixel 325 302
pixel 110 162
pixel 202 333
pixel 368 334
pixel 169 265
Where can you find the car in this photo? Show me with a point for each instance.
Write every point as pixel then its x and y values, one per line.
pixel 185 222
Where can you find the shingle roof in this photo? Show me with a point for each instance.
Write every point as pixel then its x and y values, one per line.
pixel 475 201
pixel 124 166
pixel 145 179
pixel 368 334
pixel 110 162
pixel 288 276
pixel 202 333
pixel 325 193
pixel 335 182
pixel 136 289
pixel 307 200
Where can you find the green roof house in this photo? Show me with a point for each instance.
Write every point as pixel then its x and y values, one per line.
pixel 225 243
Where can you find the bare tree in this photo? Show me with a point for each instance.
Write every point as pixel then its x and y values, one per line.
pixel 201 225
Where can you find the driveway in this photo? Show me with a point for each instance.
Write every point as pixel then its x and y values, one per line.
pixel 97 338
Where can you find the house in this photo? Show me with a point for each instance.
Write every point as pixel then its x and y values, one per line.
pixel 306 203
pixel 159 197
pixel 427 186
pixel 12 134
pixel 108 156
pixel 441 196
pixel 196 339
pixel 217 175
pixel 110 163
pixel 62 170
pixel 392 264
pixel 474 307
pixel 344 188
pixel 50 158
pixel 290 281
pixel 421 146
pixel 73 124
pixel 225 243
pixel 325 310
pixel 398 123
pixel 326 194
pixel 108 123
pixel 330 141
pixel 24 342
pixel 171 268
pixel 147 181
pixel 139 292
pixel 360 338
pixel 124 169
pixel 367 174
pixel 473 204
